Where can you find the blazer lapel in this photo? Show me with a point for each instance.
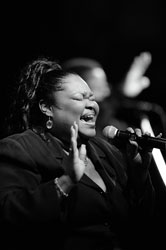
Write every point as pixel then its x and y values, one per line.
pixel 97 157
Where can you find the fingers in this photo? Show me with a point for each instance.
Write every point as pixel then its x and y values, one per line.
pixel 76 129
pixel 135 81
pixel 137 131
pixel 159 135
pixel 132 151
pixel 144 82
pixel 74 134
pixel 141 63
pixel 82 152
pixel 134 140
pixel 146 59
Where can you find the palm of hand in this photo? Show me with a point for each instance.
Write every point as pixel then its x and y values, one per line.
pixel 76 160
pixel 135 81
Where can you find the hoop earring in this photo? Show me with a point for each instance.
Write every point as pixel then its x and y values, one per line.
pixel 49 123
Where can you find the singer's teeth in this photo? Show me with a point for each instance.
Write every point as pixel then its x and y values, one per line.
pixel 87 117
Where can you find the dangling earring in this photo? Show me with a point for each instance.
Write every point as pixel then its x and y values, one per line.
pixel 49 123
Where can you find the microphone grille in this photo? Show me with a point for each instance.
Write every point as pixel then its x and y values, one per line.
pixel 110 132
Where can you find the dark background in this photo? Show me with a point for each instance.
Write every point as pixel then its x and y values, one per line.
pixel 112 32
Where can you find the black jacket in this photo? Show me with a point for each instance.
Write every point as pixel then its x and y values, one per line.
pixel 32 215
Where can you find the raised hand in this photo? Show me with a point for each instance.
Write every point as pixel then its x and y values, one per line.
pixel 76 161
pixel 135 81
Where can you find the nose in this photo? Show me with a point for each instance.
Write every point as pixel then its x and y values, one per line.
pixel 92 105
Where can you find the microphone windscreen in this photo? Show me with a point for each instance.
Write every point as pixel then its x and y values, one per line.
pixel 110 132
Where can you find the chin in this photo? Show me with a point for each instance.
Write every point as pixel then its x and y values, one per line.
pixel 88 134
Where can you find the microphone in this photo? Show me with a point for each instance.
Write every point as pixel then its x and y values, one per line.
pixel 110 132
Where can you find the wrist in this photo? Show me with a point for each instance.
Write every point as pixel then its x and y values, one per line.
pixel 63 185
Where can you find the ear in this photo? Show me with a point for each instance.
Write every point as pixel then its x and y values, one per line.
pixel 45 108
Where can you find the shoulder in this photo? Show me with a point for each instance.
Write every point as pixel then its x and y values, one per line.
pixel 17 144
pixel 15 140
pixel 29 144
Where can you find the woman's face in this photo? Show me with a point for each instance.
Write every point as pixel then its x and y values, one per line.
pixel 75 102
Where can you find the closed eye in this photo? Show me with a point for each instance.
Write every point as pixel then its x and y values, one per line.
pixel 80 98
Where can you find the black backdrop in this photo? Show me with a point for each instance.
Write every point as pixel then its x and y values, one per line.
pixel 112 32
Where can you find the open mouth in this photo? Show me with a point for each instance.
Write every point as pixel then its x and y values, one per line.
pixel 88 118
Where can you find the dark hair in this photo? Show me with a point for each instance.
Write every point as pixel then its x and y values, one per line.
pixel 38 80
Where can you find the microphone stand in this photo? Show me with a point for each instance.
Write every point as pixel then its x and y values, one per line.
pixel 157 155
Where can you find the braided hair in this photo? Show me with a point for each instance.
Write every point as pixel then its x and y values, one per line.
pixel 38 80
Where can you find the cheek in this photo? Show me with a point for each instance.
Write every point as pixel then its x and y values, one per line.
pixel 75 109
pixel 69 113
pixel 72 113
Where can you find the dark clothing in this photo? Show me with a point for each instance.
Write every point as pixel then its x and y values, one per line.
pixel 32 215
